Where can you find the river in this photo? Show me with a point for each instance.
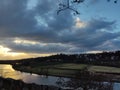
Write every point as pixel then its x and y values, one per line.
pixel 6 71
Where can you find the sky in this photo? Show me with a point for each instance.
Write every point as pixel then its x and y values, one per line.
pixel 32 28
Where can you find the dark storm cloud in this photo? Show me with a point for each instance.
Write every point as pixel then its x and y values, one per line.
pixel 14 20
pixel 43 25
pixel 47 10
pixel 95 33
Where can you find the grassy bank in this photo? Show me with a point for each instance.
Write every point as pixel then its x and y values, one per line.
pixel 65 69
pixel 68 70
pixel 105 69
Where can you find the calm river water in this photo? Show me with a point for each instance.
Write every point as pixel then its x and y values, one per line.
pixel 7 71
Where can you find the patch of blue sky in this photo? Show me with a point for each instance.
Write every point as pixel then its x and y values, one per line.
pixel 32 4
pixel 102 9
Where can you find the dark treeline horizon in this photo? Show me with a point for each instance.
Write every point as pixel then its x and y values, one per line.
pixel 104 59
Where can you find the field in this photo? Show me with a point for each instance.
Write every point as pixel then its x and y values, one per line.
pixel 65 69
pixel 104 69
pixel 66 66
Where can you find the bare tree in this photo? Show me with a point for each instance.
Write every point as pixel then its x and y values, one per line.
pixel 69 4
pixel 65 6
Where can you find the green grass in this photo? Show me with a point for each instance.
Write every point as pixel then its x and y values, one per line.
pixel 62 69
pixel 104 69
pixel 70 66
pixel 61 66
pixel 65 69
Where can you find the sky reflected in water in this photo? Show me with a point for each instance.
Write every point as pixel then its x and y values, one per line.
pixel 7 71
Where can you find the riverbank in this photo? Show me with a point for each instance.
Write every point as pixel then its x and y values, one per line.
pixel 65 70
pixel 10 84
pixel 72 70
pixel 83 81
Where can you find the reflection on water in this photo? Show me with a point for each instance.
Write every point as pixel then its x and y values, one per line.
pixel 7 71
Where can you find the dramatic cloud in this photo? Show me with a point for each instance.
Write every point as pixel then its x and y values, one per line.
pixel 36 28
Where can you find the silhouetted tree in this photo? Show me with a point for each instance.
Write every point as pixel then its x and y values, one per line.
pixel 70 3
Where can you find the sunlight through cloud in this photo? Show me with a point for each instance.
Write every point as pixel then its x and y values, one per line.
pixel 79 23
pixel 21 41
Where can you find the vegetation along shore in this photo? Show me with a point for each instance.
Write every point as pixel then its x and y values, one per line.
pixel 106 63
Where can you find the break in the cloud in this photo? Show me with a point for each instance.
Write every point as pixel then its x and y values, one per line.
pixel 36 28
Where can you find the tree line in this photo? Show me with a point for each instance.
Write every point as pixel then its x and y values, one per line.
pixel 104 59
